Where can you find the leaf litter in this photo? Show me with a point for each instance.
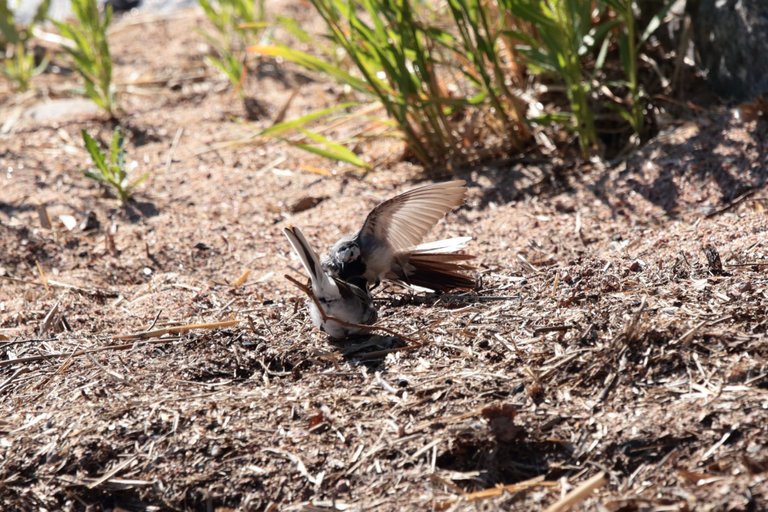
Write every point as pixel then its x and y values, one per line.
pixel 615 358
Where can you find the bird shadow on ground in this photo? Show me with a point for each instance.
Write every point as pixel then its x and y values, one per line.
pixel 369 350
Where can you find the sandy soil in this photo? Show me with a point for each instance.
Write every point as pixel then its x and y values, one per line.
pixel 603 340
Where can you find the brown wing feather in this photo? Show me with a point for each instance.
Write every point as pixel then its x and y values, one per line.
pixel 404 220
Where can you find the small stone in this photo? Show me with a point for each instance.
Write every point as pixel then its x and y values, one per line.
pixel 305 203
pixel 90 223
pixel 69 221
pixel 342 486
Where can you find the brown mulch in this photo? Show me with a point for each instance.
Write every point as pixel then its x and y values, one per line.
pixel 605 339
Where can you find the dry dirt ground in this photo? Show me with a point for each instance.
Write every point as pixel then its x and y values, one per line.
pixel 603 341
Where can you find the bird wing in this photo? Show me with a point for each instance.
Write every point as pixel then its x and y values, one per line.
pixel 447 245
pixel 356 287
pixel 308 257
pixel 404 220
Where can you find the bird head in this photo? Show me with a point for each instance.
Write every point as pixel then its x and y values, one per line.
pixel 344 259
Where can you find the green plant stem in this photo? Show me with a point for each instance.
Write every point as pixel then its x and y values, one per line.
pixel 89 50
pixel 632 82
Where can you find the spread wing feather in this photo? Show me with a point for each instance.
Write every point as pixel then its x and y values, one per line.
pixel 404 220
pixel 447 245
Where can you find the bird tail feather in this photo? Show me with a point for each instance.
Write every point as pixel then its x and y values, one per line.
pixel 308 257
pixel 436 271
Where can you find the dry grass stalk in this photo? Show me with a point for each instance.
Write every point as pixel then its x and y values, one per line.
pixel 179 329
pixel 78 353
pixel 494 492
pixel 240 281
pixel 43 277
pixel 578 494
pixel 50 318
pixel 97 292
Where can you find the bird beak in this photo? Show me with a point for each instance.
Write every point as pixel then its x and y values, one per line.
pixel 331 266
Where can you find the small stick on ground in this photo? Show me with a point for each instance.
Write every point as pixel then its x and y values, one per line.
pixel 552 328
pixel 96 292
pixel 495 492
pixel 300 466
pixel 172 150
pixel 689 334
pixel 713 260
pixel 50 318
pixel 179 329
pixel 631 330
pixel 307 290
pixel 154 322
pixel 735 202
pixel 378 354
pixel 578 494
pixel 252 325
pixel 78 353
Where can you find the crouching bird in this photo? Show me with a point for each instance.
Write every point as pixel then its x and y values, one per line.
pixel 347 301
pixel 388 246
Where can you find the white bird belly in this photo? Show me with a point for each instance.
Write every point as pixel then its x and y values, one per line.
pixel 377 263
pixel 335 306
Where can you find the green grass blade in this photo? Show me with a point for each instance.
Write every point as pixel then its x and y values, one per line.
pixel 329 149
pixel 138 181
pixel 300 122
pixel 311 62
pixel 655 22
pixel 97 156
pixel 293 28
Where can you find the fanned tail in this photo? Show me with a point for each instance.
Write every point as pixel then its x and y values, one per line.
pixel 439 271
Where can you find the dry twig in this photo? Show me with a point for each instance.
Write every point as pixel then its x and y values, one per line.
pixel 78 353
pixel 578 494
pixel 179 329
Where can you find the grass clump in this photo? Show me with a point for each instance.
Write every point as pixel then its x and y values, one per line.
pixel 410 66
pixel 562 36
pixel 18 60
pixel 575 42
pixel 236 22
pixel 297 133
pixel 622 25
pixel 458 87
pixel 89 50
pixel 110 169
